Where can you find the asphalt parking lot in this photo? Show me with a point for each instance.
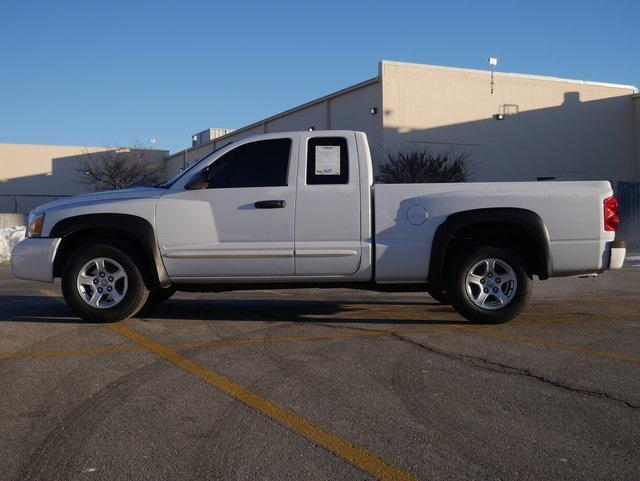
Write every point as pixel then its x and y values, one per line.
pixel 322 385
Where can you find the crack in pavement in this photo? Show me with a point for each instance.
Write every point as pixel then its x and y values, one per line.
pixel 495 366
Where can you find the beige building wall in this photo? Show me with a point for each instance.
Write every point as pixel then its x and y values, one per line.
pixel 550 127
pixel 25 167
pixel 636 104
pixel 34 174
pixel 351 112
pixel 345 109
pixel 312 116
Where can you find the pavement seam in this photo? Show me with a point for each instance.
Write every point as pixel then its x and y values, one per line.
pixel 495 366
pixel 503 368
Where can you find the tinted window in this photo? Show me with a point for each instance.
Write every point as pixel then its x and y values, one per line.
pixel 257 164
pixel 327 161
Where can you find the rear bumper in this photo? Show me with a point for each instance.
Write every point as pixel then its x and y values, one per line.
pixel 32 259
pixel 617 252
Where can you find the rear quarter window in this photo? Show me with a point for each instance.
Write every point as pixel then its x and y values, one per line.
pixel 327 161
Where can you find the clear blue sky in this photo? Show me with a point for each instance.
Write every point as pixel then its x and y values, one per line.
pixel 120 72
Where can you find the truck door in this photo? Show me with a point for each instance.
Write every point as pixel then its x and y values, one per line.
pixel 242 224
pixel 327 217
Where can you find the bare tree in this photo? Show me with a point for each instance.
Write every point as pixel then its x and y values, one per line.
pixel 119 168
pixel 425 166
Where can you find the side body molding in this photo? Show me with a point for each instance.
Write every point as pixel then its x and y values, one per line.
pixel 523 219
pixel 133 226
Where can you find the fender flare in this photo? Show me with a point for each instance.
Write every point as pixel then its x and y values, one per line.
pixel 136 226
pixel 524 219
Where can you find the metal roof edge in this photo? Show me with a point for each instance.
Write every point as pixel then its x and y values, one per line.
pixel 516 75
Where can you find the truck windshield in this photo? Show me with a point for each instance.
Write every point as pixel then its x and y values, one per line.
pixel 174 179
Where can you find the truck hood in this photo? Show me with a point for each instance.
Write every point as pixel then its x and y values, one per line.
pixel 99 197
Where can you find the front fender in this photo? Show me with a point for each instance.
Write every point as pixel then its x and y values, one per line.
pixel 133 226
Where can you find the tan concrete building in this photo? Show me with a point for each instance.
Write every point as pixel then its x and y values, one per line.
pixel 636 103
pixel 529 127
pixel 34 174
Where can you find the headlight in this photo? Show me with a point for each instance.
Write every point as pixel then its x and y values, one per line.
pixel 36 221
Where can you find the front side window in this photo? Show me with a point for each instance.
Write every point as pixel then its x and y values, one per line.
pixel 257 164
pixel 327 161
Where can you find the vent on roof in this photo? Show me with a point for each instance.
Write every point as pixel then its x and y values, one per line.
pixel 208 135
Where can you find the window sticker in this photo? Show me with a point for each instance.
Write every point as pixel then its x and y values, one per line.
pixel 327 160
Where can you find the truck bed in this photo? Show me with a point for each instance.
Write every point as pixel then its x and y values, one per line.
pixel 407 216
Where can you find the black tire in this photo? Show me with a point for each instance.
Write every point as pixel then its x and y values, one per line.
pixel 439 295
pixel 463 301
pixel 159 295
pixel 136 293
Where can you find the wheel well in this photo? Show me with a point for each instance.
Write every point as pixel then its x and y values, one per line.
pixel 73 241
pixel 512 235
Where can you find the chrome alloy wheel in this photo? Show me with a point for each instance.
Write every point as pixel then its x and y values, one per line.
pixel 491 284
pixel 102 283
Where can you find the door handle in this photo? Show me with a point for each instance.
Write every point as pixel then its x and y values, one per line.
pixel 270 204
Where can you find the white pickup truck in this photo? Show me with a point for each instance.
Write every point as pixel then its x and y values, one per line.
pixel 300 209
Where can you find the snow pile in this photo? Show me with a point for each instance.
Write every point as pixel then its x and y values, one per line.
pixel 9 237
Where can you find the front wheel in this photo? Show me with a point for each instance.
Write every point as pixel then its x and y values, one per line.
pixel 489 284
pixel 102 283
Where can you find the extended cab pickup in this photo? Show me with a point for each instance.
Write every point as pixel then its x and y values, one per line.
pixel 301 209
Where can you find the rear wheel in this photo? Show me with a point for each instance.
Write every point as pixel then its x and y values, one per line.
pixel 489 284
pixel 102 283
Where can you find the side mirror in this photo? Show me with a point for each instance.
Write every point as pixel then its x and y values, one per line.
pixel 200 180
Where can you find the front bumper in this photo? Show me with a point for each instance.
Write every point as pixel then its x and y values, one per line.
pixel 32 258
pixel 617 252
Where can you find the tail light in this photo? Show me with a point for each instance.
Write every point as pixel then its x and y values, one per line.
pixel 611 219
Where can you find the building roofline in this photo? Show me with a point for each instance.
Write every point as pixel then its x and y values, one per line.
pixel 516 75
pixel 308 104
pixel 376 79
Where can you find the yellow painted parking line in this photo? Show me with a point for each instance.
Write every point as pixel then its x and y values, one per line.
pixel 307 338
pixel 394 310
pixel 272 340
pixel 207 344
pixel 610 301
pixel 492 331
pixel 495 332
pixel 11 356
pixel 353 454
pixel 273 293
pixel 428 315
pixel 482 330
pixel 557 320
pixel 381 332
pixel 549 343
pixel 51 294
